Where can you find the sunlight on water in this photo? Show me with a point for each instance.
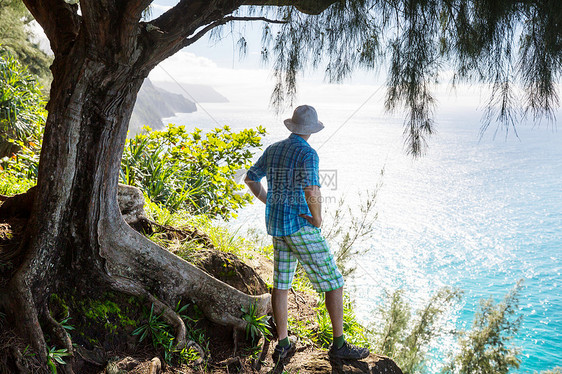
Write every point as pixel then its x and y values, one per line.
pixel 477 215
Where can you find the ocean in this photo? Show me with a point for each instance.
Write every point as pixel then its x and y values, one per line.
pixel 474 213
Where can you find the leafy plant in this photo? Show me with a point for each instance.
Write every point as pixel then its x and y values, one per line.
pixel 27 352
pixel 406 335
pixel 162 338
pixel 303 329
pixel 11 180
pixel 182 170
pixel 257 326
pixel 484 348
pixel 66 325
pixel 55 356
pixel 22 112
pixel 188 355
pixel 22 118
pixel 154 328
pixel 396 316
pixel 181 310
pixel 15 36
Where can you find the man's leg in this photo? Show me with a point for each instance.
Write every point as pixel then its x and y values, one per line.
pixel 284 266
pixel 313 252
pixel 279 305
pixel 334 305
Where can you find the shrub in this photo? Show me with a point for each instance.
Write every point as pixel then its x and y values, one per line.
pixel 182 170
pixel 406 336
pixel 484 349
pixel 22 113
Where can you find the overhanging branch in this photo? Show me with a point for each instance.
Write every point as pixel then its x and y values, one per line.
pixel 223 21
pixel 305 6
pixel 171 31
pixel 264 19
pixel 59 20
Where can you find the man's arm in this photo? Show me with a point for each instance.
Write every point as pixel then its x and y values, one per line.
pixel 314 202
pixel 257 189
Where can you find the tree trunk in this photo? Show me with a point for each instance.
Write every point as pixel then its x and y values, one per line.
pixel 76 236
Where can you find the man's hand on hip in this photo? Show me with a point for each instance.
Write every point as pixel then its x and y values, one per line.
pixel 312 220
pixel 314 202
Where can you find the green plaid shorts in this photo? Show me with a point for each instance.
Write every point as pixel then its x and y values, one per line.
pixel 308 247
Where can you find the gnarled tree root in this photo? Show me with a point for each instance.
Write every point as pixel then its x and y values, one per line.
pixel 20 307
pixel 131 288
pixel 130 256
pixel 119 258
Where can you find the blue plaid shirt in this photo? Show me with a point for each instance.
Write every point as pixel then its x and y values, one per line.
pixel 289 166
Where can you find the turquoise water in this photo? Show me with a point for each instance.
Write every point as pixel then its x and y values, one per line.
pixel 474 214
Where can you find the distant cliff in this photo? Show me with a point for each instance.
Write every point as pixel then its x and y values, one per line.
pixel 153 104
pixel 196 92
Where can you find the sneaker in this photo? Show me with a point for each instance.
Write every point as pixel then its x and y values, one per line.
pixel 348 352
pixel 281 353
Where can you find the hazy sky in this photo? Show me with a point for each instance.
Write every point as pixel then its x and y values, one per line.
pixel 218 64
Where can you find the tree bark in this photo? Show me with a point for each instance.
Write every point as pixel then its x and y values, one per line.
pixel 76 236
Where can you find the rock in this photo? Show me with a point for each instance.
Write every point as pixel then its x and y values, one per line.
pixel 121 366
pixel 229 269
pixel 131 205
pixel 319 363
pixel 155 366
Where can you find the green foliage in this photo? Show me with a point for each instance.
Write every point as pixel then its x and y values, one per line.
pixel 353 330
pixel 257 326
pixel 396 316
pixel 155 329
pixel 22 118
pixel 323 335
pixel 484 349
pixel 106 311
pixel 58 307
pixel 105 318
pixel 16 38
pixel 219 234
pixel 55 356
pixel 11 183
pixel 407 338
pixel 65 323
pixel 302 329
pixel 178 169
pixel 22 113
pixel 160 334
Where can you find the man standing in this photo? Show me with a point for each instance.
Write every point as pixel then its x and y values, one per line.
pixel 293 216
